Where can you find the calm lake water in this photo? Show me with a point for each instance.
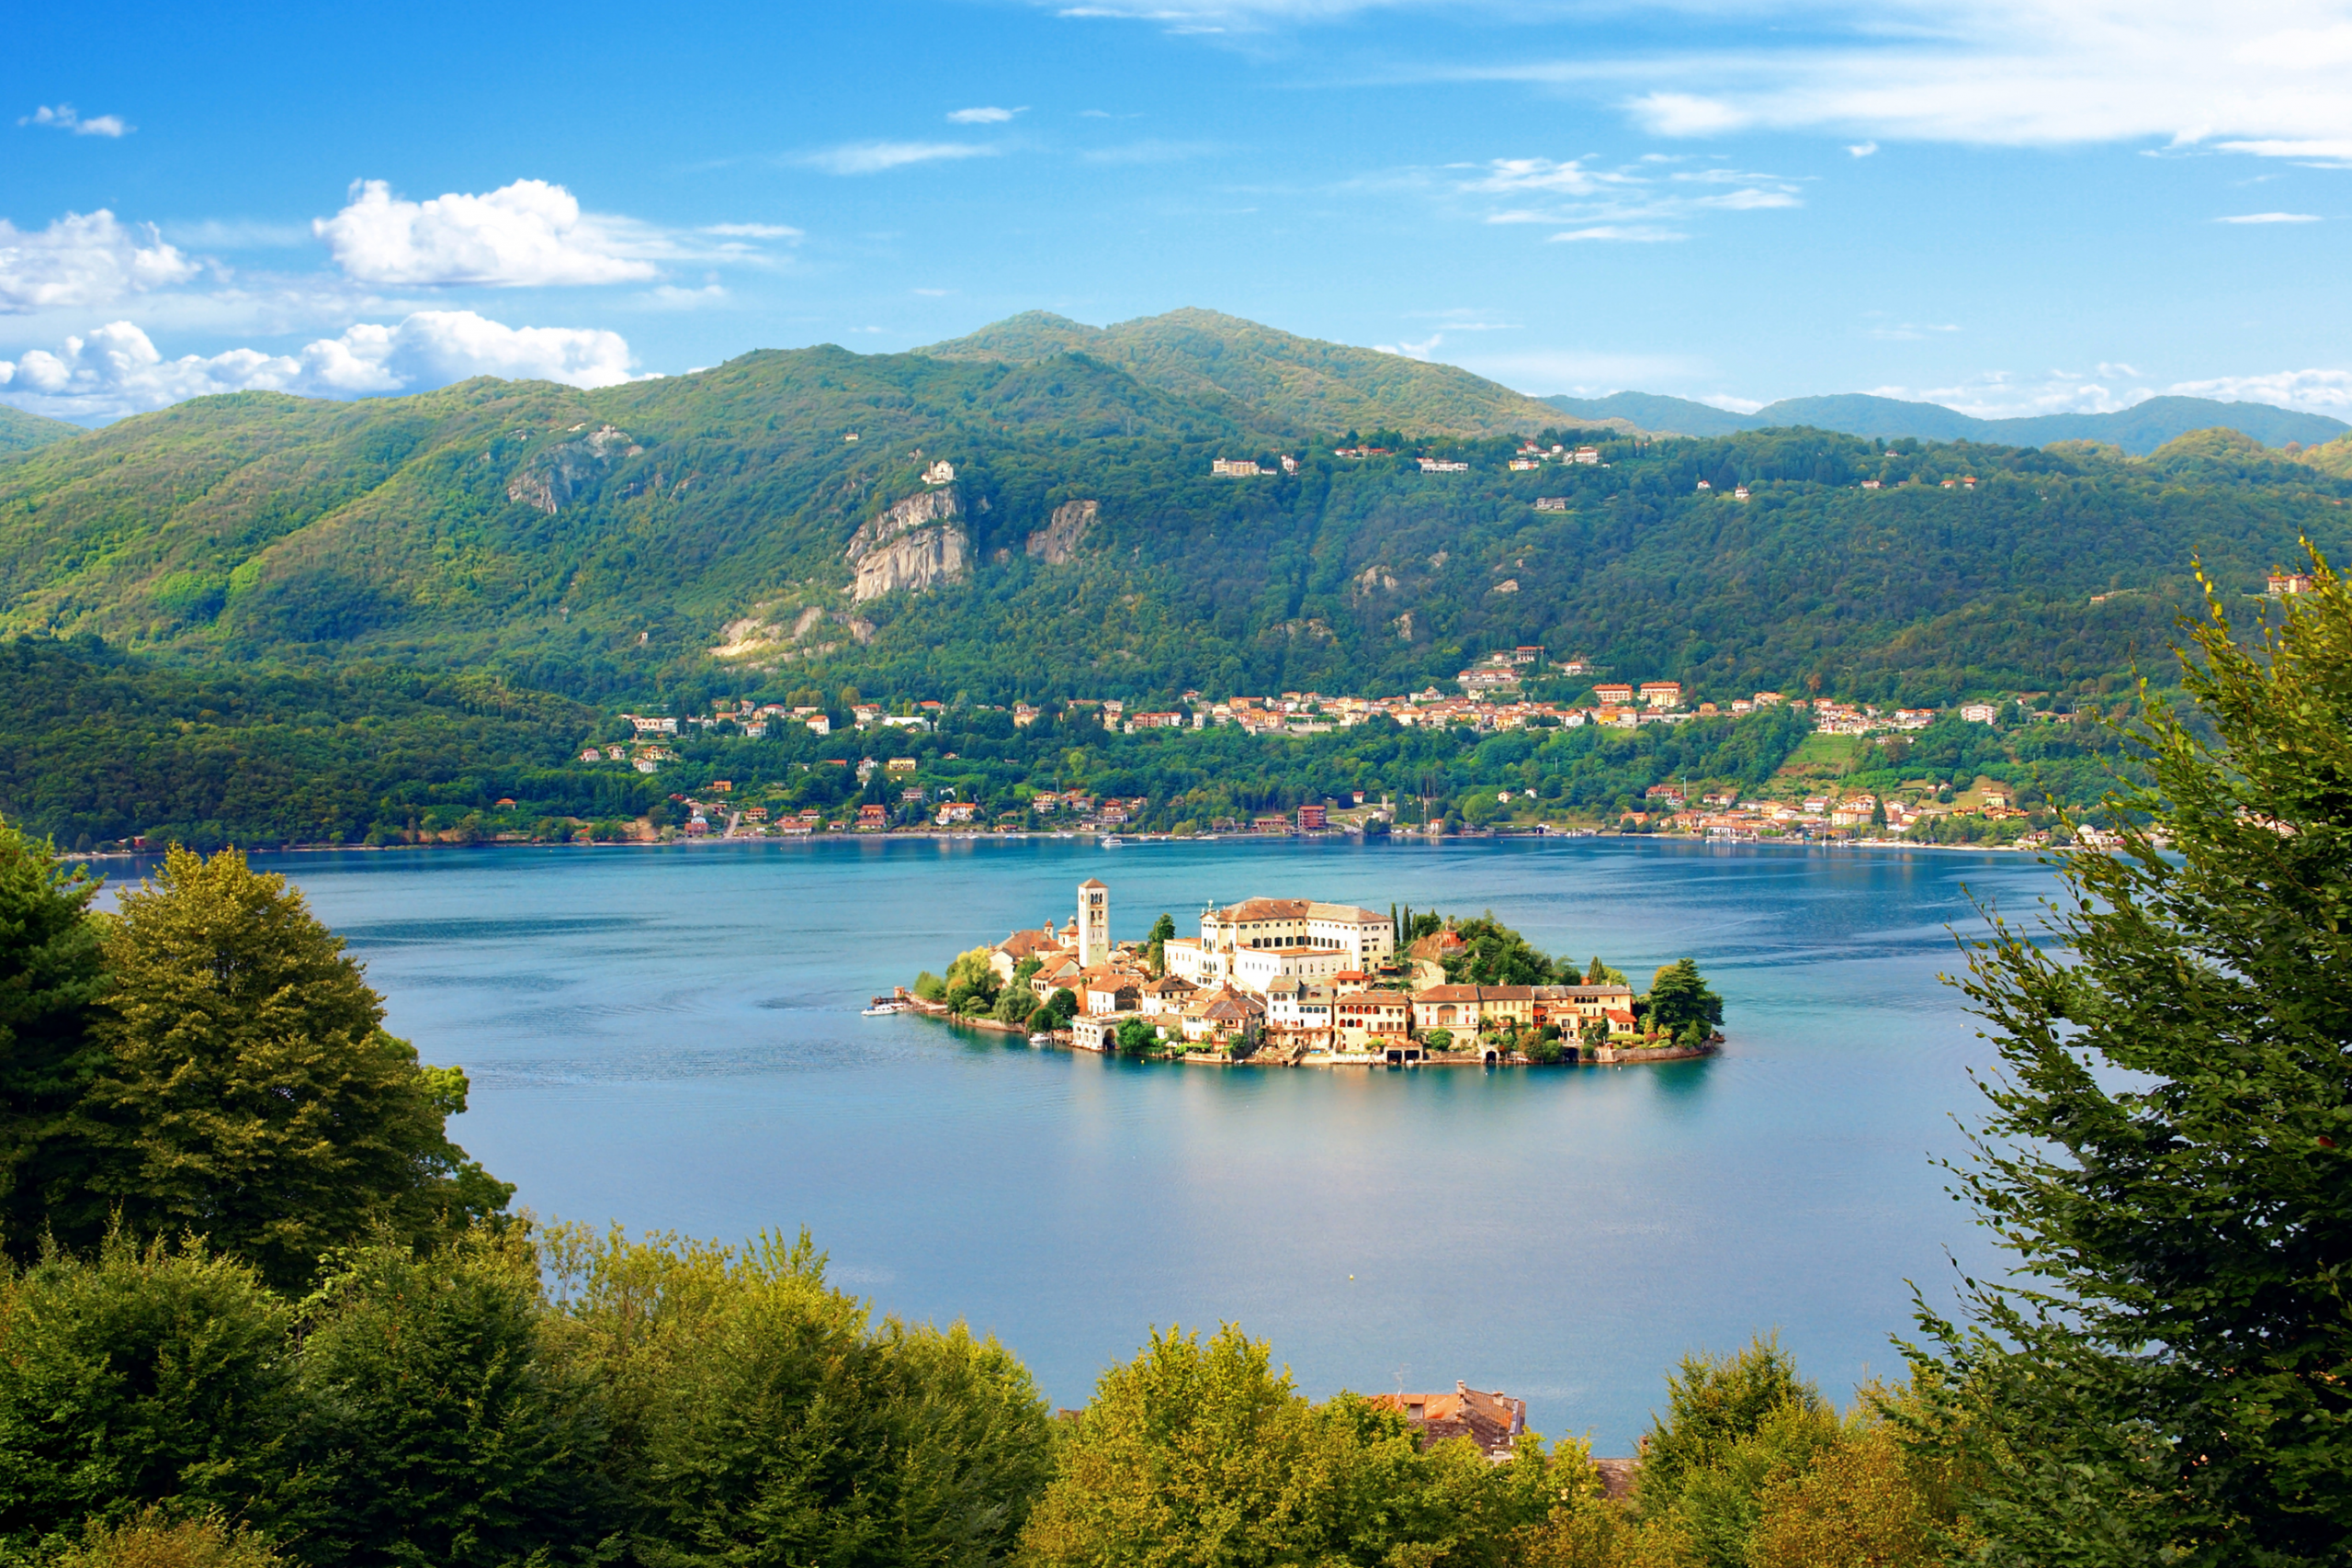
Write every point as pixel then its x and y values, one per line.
pixel 670 1038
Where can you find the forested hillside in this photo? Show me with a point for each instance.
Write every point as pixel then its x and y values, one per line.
pixel 602 544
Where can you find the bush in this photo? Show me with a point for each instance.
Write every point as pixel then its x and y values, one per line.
pixel 931 987
pixel 156 1540
pixel 145 1376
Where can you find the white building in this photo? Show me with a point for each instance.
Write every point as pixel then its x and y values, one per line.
pixel 1324 938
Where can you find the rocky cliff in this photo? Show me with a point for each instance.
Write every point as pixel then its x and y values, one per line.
pixel 911 544
pixel 1058 540
pixel 553 477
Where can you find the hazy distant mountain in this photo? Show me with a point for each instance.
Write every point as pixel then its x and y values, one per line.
pixel 1316 386
pixel 1653 412
pixel 21 432
pixel 2139 429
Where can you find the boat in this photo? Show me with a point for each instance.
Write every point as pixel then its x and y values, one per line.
pixel 883 1006
pixel 1041 1040
pixel 1110 841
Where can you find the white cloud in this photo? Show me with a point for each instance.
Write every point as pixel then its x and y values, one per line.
pixel 987 115
pixel 2261 78
pixel 1637 234
pixel 1729 403
pixel 874 157
pixel 83 260
pixel 1640 201
pixel 2271 218
pixel 1859 150
pixel 1422 350
pixel 2322 392
pixel 64 118
pixel 750 231
pixel 116 370
pixel 2316 152
pixel 1568 178
pixel 526 234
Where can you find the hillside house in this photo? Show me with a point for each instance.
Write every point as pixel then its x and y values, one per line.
pixel 1233 467
pixel 2288 582
pixel 1662 693
pixel 1493 1421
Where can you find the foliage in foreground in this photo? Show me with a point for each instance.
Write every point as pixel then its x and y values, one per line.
pixel 208 1059
pixel 2169 1153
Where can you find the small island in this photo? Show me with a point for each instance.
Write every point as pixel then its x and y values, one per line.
pixel 1296 982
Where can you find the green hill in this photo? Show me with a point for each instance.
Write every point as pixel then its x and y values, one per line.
pixel 607 543
pixel 1307 384
pixel 1648 410
pixel 22 432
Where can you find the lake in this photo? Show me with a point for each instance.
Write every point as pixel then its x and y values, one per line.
pixel 670 1038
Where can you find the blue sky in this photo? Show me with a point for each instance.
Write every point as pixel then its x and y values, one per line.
pixel 2022 208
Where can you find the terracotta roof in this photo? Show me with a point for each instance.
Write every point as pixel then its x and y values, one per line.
pixel 1493 1421
pixel 1345 912
pixel 1090 882
pixel 1266 910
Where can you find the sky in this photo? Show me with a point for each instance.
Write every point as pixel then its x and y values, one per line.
pixel 2009 208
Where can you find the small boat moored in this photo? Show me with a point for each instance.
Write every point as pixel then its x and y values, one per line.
pixel 883 1006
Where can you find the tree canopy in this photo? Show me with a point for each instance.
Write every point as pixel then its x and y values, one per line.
pixel 2168 1152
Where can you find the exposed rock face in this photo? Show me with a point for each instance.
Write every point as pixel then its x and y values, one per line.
pixel 554 476
pixel 1058 540
pixel 762 637
pixel 913 544
pixel 1376 580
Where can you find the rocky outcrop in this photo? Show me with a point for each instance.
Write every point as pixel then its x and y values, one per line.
pixel 911 544
pixel 1058 540
pixel 554 476
pixel 762 636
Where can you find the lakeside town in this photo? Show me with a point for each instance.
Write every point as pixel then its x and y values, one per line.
pixel 1813 797
pixel 1299 982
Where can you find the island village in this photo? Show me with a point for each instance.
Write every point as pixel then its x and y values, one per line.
pixel 1292 982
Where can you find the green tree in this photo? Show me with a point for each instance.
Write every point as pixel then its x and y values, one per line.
pixel 51 971
pixel 1204 1454
pixel 756 1416
pixel 433 1430
pixel 2169 1148
pixel 249 1092
pixel 1136 1036
pixel 1680 1002
pixel 1493 954
pixel 1164 932
pixel 143 1375
pixel 1596 974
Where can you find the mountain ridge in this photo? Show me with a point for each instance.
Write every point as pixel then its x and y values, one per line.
pixel 2139 429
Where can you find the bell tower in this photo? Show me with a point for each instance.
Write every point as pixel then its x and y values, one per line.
pixel 1093 924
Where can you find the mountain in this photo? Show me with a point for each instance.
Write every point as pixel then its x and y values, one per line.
pixel 1310 385
pixel 1650 412
pixel 2139 429
pixel 721 532
pixel 22 432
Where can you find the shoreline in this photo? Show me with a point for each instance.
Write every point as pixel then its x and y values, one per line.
pixel 1060 1040
pixel 1127 840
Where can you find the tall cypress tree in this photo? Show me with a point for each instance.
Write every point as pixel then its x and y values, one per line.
pixel 248 1091
pixel 2167 1378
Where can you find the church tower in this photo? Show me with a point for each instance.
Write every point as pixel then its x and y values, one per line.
pixel 1093 931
